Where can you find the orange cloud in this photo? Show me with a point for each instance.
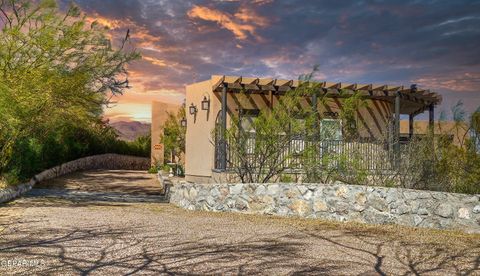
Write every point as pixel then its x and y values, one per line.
pixel 241 24
pixel 249 15
pixel 262 2
pixel 111 24
pixel 155 61
pixel 143 38
pixel 139 34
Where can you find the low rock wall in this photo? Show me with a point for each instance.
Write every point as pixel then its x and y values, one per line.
pixel 103 161
pixel 340 202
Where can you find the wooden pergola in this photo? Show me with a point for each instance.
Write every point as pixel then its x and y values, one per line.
pixel 408 100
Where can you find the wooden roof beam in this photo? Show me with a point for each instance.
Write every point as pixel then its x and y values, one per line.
pixel 393 88
pixel 266 81
pixel 333 85
pixel 379 87
pixel 283 82
pixel 218 83
pixel 349 86
pixel 364 86
pixel 250 80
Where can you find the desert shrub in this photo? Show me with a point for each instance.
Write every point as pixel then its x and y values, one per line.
pixel 258 147
pixel 153 170
pixel 286 178
pixel 432 162
pixel 457 170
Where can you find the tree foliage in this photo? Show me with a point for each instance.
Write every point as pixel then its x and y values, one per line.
pixel 57 72
pixel 173 137
pixel 257 145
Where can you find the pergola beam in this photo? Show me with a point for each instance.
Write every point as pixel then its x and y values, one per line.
pixel 223 129
pixel 385 92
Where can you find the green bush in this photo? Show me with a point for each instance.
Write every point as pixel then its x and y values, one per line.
pixel 286 178
pixel 31 155
pixel 153 170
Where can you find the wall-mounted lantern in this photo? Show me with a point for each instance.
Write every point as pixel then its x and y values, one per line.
pixel 183 122
pixel 192 109
pixel 205 103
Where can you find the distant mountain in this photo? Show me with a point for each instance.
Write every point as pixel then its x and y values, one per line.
pixel 131 130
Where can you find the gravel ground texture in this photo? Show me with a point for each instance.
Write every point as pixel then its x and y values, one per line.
pixel 116 181
pixel 52 236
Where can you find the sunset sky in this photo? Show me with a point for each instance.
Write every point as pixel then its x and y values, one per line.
pixel 435 44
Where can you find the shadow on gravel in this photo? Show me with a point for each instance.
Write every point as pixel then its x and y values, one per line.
pixel 414 258
pixel 80 196
pixel 123 251
pixel 255 257
pixel 123 181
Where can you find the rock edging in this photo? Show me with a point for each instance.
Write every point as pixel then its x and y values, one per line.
pixel 340 202
pixel 102 161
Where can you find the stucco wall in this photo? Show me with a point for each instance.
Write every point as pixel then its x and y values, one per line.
pixel 199 149
pixel 340 202
pixel 159 116
pixel 373 118
pixel 103 161
pixel 458 131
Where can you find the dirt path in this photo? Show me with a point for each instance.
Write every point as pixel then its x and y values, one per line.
pixel 65 237
pixel 115 181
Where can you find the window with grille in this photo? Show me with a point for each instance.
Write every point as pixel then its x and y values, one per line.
pixel 331 129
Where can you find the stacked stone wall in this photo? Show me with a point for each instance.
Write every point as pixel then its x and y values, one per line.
pixel 340 202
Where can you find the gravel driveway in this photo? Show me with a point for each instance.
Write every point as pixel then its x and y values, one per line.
pixel 41 235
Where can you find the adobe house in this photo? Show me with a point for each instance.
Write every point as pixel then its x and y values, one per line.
pixel 160 112
pixel 456 132
pixel 213 102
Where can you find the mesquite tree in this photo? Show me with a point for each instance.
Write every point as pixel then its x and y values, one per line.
pixel 173 137
pixel 54 67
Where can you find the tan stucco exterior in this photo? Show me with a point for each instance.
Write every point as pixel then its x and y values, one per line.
pixel 372 120
pixel 159 116
pixel 457 131
pixel 199 148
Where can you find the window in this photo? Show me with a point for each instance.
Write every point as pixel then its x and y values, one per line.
pixel 247 119
pixel 298 141
pixel 331 129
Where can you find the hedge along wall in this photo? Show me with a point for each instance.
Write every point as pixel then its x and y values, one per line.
pixel 103 161
pixel 340 202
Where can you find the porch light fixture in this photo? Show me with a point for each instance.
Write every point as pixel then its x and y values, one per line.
pixel 183 122
pixel 205 103
pixel 192 109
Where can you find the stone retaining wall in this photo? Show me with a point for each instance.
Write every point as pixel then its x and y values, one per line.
pixel 103 161
pixel 340 202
